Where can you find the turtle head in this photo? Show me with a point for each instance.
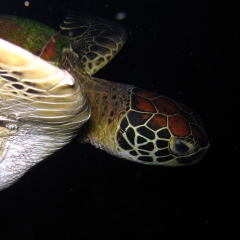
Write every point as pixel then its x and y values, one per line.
pixel 160 131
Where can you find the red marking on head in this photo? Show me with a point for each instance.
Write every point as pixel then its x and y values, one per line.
pixel 49 52
pixel 145 93
pixel 142 104
pixel 157 122
pixel 179 126
pixel 165 105
pixel 145 116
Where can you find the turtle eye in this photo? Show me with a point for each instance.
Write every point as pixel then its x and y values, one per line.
pixel 181 147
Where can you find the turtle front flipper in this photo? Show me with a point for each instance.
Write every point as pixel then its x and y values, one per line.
pixel 95 40
pixel 41 110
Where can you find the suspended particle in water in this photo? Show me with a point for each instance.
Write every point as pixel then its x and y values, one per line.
pixel 120 16
pixel 26 3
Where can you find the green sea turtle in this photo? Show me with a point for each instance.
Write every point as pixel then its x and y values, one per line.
pixel 45 103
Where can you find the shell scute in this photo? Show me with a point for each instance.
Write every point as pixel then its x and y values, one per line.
pixel 165 105
pixel 145 93
pixel 41 40
pixel 142 104
pixel 179 126
pixel 137 119
pixel 157 121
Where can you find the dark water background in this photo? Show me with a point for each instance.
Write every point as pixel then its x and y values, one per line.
pixel 186 50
